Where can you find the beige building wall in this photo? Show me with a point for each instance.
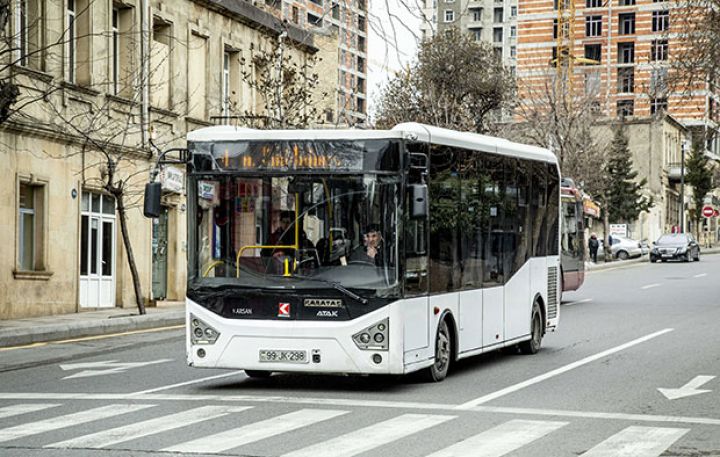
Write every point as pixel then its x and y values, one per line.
pixel 68 113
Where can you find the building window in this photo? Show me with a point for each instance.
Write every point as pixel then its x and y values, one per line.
pixel 627 23
pixel 476 14
pixel 625 108
pixel 296 13
pixel 513 52
pixel 658 81
pixel 360 85
pixel 555 28
pixel 626 52
pixel 160 59
pixel 317 2
pixel 658 105
pixel 477 34
pixel 225 97
pixel 513 31
pixel 115 51
pixel 626 80
pixel 30 226
pixel 497 35
pixel 449 15
pixel 361 23
pixel 77 45
pixel 627 2
pixel 593 3
pixel 498 53
pixel 360 106
pixel 593 26
pixel 361 43
pixel 498 15
pixel 28 39
pixel 360 64
pixel 71 44
pixel 659 50
pixel 513 11
pixel 660 21
pixel 314 20
pixel 593 52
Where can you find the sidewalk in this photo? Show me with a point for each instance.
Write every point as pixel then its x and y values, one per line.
pixel 601 265
pixel 18 332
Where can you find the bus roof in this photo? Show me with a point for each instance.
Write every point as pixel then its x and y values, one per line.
pixel 408 131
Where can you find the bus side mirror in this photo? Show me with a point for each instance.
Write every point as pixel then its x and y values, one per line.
pixel 151 205
pixel 418 201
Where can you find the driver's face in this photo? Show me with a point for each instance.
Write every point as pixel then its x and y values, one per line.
pixel 372 239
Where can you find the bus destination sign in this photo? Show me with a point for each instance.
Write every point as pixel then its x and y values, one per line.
pixel 286 156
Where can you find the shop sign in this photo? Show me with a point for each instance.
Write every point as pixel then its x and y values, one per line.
pixel 172 180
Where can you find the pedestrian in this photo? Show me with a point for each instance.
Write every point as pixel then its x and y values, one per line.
pixel 593 244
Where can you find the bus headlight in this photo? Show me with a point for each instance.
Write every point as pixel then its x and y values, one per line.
pixel 374 337
pixel 202 333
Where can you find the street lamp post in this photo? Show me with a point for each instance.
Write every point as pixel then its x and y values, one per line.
pixel 682 187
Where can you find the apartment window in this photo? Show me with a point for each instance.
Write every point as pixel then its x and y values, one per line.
pixel 513 51
pixel 658 105
pixel 361 23
pixel 498 15
pixel 361 64
pixel 594 52
pixel 361 43
pixel 627 23
pixel 659 50
pixel 361 85
pixel 592 83
pixel 30 226
pixel 555 28
pixel 660 21
pixel 273 4
pixel 593 3
pixel 513 11
pixel 160 60
pixel 476 14
pixel 296 13
pixel 317 2
pixel 477 34
pixel 77 46
pixel 626 80
pixel 115 51
pixel 593 26
pixel 360 106
pixel 513 31
pixel 314 20
pixel 362 5
pixel 658 81
pixel 71 44
pixel 497 35
pixel 626 52
pixel 625 108
pixel 627 2
pixel 29 33
pixel 225 96
pixel 449 15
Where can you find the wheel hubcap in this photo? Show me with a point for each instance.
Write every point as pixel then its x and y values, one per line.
pixel 443 350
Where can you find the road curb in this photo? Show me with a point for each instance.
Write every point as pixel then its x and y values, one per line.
pixel 603 266
pixel 20 336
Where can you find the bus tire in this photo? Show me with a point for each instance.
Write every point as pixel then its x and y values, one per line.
pixel 258 373
pixel 443 354
pixel 532 346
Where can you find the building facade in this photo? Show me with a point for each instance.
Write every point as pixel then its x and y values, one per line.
pixel 489 21
pixel 347 21
pixel 99 82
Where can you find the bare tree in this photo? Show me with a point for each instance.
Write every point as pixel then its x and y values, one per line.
pixel 456 83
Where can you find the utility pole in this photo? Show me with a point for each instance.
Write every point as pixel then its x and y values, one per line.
pixel 682 187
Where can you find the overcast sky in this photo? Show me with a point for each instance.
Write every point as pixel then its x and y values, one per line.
pixel 394 30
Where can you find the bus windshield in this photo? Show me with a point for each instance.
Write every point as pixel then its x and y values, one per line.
pixel 294 231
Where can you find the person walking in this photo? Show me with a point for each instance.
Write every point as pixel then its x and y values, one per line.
pixel 593 244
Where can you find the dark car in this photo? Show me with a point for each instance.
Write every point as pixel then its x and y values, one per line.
pixel 679 246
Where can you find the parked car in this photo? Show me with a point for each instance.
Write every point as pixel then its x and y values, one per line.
pixel 621 248
pixel 675 246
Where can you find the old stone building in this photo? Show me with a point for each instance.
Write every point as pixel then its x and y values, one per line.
pixel 98 82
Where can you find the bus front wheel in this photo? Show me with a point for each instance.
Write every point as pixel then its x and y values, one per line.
pixel 532 346
pixel 443 353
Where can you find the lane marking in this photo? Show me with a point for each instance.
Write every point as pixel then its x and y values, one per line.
pixel 257 431
pixel 586 300
pixel 92 338
pixel 500 440
pixel 650 286
pixel 187 383
pixel 345 403
pixel 370 437
pixel 521 385
pixel 637 442
pixel 68 420
pixel 16 410
pixel 700 275
pixel 161 424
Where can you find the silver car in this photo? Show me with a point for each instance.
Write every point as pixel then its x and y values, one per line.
pixel 622 248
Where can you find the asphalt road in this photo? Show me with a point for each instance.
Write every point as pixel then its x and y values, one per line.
pixel 592 391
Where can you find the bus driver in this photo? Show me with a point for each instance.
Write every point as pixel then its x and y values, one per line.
pixel 371 250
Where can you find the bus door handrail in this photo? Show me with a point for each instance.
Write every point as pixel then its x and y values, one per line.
pixel 257 246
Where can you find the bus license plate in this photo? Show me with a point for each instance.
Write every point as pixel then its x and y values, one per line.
pixel 283 356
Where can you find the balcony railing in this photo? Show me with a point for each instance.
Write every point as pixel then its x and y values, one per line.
pixel 674 170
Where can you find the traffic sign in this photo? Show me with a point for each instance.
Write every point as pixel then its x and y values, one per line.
pixel 708 211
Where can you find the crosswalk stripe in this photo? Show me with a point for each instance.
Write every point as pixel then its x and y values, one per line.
pixel 637 442
pixel 250 433
pixel 16 410
pixel 117 435
pixel 500 440
pixel 36 427
pixel 371 437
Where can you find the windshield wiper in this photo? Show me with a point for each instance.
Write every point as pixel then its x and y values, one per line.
pixel 339 287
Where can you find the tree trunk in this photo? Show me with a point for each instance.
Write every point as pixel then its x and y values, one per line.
pixel 606 241
pixel 128 248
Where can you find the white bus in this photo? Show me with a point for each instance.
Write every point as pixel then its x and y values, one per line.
pixel 366 251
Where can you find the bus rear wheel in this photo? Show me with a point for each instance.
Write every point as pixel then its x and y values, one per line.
pixel 258 373
pixel 443 353
pixel 532 346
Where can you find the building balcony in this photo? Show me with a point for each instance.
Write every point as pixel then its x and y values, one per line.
pixel 674 171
